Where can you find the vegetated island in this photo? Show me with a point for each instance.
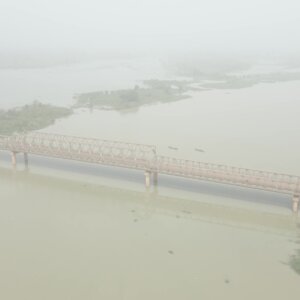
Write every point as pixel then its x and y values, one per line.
pixel 163 91
pixel 153 91
pixel 30 117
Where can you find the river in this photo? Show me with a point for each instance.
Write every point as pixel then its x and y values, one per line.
pixel 79 231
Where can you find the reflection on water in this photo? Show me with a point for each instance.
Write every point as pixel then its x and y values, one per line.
pixel 63 238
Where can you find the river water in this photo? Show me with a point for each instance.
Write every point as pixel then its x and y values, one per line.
pixel 79 231
pixel 254 127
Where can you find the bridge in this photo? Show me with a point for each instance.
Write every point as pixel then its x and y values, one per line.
pixel 145 158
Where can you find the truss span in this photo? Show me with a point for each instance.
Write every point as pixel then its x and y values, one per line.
pixel 144 157
pixel 249 178
pixel 99 151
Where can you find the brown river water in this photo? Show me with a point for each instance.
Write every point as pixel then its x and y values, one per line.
pixel 78 231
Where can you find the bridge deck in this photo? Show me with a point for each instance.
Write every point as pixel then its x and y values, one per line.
pixel 144 157
pixel 270 181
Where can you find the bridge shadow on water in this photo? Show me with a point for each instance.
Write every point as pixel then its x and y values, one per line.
pixel 69 194
pixel 164 181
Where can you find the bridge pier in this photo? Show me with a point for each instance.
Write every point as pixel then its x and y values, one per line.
pixel 155 178
pixel 14 159
pixel 26 160
pixel 295 204
pixel 147 179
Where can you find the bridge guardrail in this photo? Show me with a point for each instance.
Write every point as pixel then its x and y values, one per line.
pixel 228 174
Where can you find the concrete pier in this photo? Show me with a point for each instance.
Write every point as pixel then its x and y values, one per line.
pixel 14 159
pixel 26 160
pixel 155 178
pixel 147 179
pixel 295 204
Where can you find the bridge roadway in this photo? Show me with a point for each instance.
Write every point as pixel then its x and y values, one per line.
pixel 145 158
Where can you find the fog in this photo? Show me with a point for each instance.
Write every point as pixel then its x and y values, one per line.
pixel 78 28
pixel 149 150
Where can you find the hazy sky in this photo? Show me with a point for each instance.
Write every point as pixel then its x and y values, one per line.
pixel 217 25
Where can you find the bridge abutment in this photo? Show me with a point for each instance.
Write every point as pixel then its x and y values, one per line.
pixel 295 204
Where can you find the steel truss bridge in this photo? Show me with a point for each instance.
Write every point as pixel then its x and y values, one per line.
pixel 145 158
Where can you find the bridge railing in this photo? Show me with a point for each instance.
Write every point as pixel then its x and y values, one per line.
pixel 228 174
pixel 118 153
pixel 144 157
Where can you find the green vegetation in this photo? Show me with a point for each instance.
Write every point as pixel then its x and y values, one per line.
pixel 162 91
pixel 154 91
pixel 30 117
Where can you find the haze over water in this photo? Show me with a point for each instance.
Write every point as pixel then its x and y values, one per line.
pixel 72 230
pixel 68 236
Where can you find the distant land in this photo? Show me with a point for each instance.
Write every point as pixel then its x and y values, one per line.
pixel 243 81
pixel 38 116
